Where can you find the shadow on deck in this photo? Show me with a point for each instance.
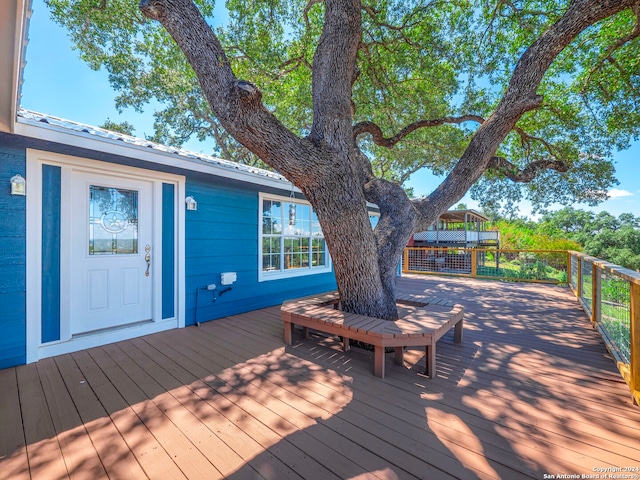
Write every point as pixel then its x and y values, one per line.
pixel 531 391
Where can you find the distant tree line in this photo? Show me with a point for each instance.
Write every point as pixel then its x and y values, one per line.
pixel 602 235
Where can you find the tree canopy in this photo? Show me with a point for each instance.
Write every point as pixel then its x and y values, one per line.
pixel 347 98
pixel 601 235
pixel 447 63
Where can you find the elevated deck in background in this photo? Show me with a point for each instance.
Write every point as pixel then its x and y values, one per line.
pixel 458 228
pixel 531 391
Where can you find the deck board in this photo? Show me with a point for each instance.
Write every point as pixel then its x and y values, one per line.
pixel 13 450
pixel 260 402
pixel 381 418
pixel 43 448
pixel 531 391
pixel 84 383
pixel 317 404
pixel 78 451
pixel 383 411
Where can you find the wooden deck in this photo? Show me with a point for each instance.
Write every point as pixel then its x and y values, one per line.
pixel 530 392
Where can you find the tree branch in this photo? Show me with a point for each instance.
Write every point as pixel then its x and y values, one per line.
pixel 520 97
pixel 236 104
pixel 607 56
pixel 526 140
pixel 504 167
pixel 379 138
pixel 396 225
pixel 334 64
pixel 307 8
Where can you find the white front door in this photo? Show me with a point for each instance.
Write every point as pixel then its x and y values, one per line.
pixel 112 255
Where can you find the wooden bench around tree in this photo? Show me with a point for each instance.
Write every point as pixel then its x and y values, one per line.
pixel 423 321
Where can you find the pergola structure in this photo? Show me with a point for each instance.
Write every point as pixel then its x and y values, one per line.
pixel 458 228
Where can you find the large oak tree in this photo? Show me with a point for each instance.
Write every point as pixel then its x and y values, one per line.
pixel 347 98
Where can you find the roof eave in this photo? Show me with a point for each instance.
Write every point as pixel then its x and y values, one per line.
pixel 14 21
pixel 57 134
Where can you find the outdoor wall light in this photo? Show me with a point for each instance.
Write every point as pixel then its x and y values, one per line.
pixel 18 185
pixel 191 203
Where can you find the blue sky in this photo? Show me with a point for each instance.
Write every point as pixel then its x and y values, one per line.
pixel 58 83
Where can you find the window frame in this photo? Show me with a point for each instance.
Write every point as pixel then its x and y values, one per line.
pixel 293 272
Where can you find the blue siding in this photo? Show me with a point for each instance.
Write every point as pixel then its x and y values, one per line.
pixel 168 250
pixel 222 236
pixel 12 260
pixel 51 178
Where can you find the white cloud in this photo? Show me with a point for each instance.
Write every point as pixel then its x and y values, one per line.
pixel 617 193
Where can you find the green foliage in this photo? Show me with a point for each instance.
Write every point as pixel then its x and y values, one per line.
pixel 418 60
pixel 590 103
pixel 616 240
pixel 523 234
pixel 122 127
pixel 550 267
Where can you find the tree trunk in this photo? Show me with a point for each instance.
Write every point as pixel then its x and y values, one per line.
pixel 327 165
pixel 350 239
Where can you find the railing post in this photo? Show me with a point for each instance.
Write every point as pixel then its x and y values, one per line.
pixel 595 294
pixel 405 262
pixel 474 262
pixel 569 268
pixel 579 278
pixel 634 332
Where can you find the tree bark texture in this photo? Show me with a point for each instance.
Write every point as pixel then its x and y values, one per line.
pixel 327 165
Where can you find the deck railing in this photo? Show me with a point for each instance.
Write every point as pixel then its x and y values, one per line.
pixel 608 293
pixel 457 236
pixel 549 266
pixel 610 296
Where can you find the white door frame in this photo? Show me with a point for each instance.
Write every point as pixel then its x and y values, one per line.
pixel 66 344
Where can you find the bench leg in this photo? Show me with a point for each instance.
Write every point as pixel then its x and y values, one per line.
pixel 346 346
pixel 305 332
pixel 430 360
pixel 378 368
pixel 398 358
pixel 457 332
pixel 288 329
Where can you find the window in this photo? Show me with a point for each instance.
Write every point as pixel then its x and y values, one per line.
pixel 291 240
pixel 113 221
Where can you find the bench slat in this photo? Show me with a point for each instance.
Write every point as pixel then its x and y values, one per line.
pixel 425 320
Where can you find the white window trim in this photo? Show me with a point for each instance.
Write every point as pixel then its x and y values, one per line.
pixel 297 272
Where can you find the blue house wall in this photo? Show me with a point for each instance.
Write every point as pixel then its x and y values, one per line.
pixel 220 236
pixel 12 260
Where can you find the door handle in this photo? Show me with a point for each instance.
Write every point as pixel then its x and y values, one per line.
pixel 147 258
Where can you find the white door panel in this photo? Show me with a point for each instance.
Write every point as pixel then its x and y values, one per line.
pixel 112 229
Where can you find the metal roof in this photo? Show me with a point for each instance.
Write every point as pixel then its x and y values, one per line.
pixel 460 216
pixel 35 118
